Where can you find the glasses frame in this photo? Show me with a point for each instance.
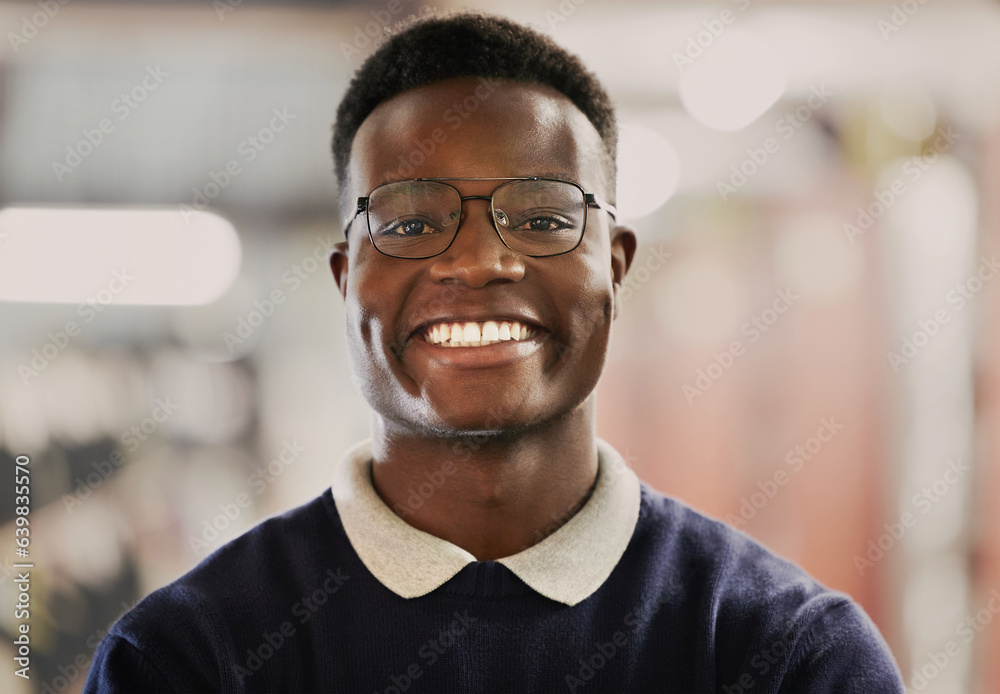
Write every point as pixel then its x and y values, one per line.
pixel 588 200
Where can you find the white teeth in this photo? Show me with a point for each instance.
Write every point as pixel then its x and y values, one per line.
pixel 491 331
pixel 475 334
pixel 472 334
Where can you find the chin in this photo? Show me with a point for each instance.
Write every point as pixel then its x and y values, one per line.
pixel 482 422
pixel 487 423
pixel 517 419
pixel 481 430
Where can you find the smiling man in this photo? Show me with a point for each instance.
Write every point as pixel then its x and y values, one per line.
pixel 484 538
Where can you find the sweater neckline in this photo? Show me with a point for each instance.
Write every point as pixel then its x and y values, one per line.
pixel 485 579
pixel 567 566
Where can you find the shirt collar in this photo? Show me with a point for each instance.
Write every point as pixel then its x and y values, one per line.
pixel 567 566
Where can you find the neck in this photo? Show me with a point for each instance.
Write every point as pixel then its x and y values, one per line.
pixel 492 494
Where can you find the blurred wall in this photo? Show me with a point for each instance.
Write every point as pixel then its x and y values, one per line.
pixel 752 372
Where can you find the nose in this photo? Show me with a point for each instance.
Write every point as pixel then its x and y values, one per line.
pixel 477 256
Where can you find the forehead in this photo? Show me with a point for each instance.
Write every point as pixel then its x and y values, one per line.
pixel 472 127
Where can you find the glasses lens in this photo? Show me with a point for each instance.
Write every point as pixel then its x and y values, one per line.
pixel 540 217
pixel 413 219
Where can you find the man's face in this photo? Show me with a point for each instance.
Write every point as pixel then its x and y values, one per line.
pixel 468 128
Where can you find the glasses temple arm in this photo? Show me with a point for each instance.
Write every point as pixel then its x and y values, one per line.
pixel 592 199
pixel 362 205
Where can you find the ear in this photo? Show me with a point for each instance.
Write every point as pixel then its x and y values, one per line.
pixel 338 265
pixel 623 245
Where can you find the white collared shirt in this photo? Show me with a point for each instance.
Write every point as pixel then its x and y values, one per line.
pixel 567 566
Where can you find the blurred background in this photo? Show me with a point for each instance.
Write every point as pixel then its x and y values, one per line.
pixel 809 347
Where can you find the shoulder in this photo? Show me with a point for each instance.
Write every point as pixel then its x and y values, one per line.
pixel 245 587
pixel 277 537
pixel 764 616
pixel 695 543
pixel 689 543
pixel 275 553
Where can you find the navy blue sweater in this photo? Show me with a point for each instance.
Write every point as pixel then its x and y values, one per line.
pixel 692 606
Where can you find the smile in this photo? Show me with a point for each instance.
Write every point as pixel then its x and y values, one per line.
pixel 472 334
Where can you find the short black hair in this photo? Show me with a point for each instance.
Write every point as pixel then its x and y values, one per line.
pixel 434 48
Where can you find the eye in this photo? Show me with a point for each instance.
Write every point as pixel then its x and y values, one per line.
pixel 412 226
pixel 542 224
pixel 544 221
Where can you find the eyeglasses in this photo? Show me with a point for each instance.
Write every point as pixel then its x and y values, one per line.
pixel 419 218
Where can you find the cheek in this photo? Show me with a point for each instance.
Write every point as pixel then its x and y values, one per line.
pixel 594 303
pixel 357 346
pixel 377 294
pixel 370 365
pixel 362 320
pixel 360 331
pixel 592 323
pixel 587 313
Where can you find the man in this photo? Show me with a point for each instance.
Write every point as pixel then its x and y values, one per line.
pixel 485 539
